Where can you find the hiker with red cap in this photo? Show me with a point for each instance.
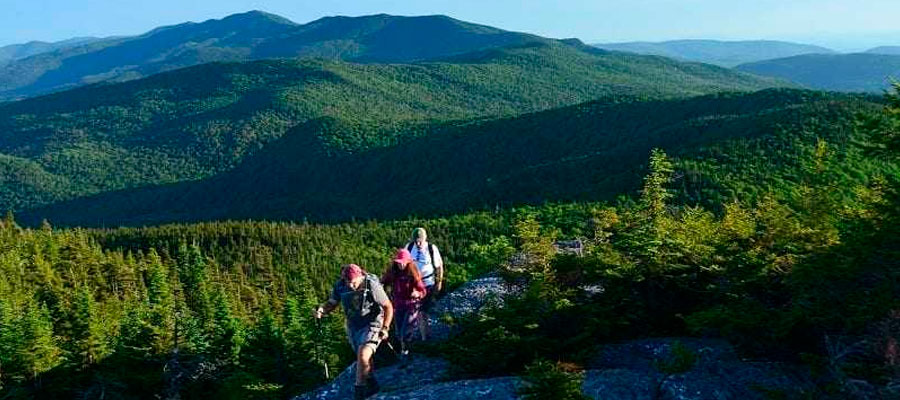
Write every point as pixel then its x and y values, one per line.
pixel 368 315
pixel 407 290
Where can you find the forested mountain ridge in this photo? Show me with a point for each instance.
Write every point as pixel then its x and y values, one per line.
pixel 196 122
pixel 14 52
pixel 730 146
pixel 890 50
pixel 251 36
pixel 858 72
pixel 723 53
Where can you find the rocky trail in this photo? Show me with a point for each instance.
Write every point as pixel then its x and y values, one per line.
pixel 632 370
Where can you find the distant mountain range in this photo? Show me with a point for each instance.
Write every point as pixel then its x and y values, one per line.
pixel 250 36
pixel 723 53
pixel 888 50
pixel 860 72
pixel 15 52
pixel 811 66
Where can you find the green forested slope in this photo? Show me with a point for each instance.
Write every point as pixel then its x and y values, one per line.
pixel 200 121
pixel 731 146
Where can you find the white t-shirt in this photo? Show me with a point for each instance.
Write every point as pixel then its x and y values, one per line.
pixel 423 261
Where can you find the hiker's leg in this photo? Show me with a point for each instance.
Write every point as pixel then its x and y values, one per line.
pixel 364 363
pixel 424 310
pixel 423 325
pixel 401 325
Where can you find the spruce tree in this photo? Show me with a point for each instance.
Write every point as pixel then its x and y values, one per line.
pixel 194 279
pixel 87 335
pixel 38 351
pixel 264 352
pixel 655 194
pixel 9 338
pixel 227 331
pixel 160 303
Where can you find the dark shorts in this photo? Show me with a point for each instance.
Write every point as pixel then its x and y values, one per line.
pixel 368 336
pixel 428 301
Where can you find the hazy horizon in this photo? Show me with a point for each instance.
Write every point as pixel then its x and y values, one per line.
pixel 837 24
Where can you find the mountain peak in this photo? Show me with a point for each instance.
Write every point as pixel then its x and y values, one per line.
pixel 258 16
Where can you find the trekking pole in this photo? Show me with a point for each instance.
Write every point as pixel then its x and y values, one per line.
pixel 390 346
pixel 318 345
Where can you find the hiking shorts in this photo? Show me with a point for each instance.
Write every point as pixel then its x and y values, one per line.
pixel 368 336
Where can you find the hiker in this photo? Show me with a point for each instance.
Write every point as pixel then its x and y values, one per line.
pixel 407 291
pixel 368 315
pixel 431 266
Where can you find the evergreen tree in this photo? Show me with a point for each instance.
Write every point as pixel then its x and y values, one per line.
pixel 161 303
pixel 88 340
pixel 9 338
pixel 136 335
pixel 192 271
pixel 264 351
pixel 655 194
pixel 38 351
pixel 227 334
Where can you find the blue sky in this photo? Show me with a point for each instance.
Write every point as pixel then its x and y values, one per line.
pixel 844 24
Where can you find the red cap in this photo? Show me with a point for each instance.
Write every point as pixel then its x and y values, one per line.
pixel 351 272
pixel 403 257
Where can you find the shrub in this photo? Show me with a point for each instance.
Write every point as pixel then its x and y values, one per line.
pixel 545 380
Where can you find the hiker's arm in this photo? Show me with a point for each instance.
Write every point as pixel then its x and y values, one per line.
pixel 420 287
pixel 325 308
pixel 388 318
pixel 438 269
pixel 382 299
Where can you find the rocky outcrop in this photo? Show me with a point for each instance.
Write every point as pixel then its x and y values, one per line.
pixel 688 369
pixel 469 298
pixel 418 372
pixel 651 369
pixel 486 389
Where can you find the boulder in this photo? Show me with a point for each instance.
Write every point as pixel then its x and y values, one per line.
pixel 715 372
pixel 417 372
pixel 503 388
pixel 646 354
pixel 621 384
pixel 471 297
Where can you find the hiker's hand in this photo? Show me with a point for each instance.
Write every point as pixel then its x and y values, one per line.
pixel 319 312
pixel 416 294
pixel 383 334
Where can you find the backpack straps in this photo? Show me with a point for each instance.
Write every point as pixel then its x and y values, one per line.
pixel 409 248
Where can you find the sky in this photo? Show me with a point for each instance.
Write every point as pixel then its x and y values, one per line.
pixel 840 24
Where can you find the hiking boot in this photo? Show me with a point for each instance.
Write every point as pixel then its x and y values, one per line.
pixel 360 392
pixel 372 386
